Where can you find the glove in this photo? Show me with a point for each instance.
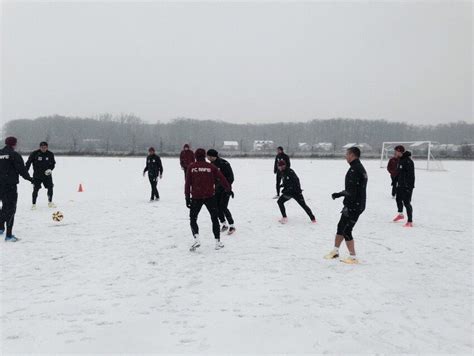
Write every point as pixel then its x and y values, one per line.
pixel 334 196
pixel 48 172
pixel 231 193
pixel 188 203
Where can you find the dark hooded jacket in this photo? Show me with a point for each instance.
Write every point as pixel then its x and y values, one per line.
pixel 406 171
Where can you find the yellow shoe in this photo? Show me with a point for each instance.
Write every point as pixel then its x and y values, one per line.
pixel 33 207
pixel 51 205
pixel 331 255
pixel 350 260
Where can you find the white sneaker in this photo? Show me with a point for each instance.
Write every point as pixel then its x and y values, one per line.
pixel 33 207
pixel 219 245
pixel 51 205
pixel 276 197
pixel 195 244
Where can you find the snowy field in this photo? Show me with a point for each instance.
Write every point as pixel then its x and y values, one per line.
pixel 117 275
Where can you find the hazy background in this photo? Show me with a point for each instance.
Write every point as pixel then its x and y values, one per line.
pixel 239 62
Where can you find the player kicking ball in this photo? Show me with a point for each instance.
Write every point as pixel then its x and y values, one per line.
pixel 354 204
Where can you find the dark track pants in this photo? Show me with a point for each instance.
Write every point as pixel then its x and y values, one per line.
pixel 404 198
pixel 47 182
pixel 299 199
pixel 394 186
pixel 154 190
pixel 223 211
pixel 211 205
pixel 9 198
pixel 278 182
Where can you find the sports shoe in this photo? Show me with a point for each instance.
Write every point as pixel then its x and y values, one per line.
pixel 283 220
pixel 195 244
pixel 408 224
pixel 276 196
pixel 231 230
pixel 398 217
pixel 219 244
pixel 350 260
pixel 331 255
pixel 313 221
pixel 11 238
pixel 51 205
pixel 33 207
pixel 224 228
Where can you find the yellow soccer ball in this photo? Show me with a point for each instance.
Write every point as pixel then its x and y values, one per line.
pixel 58 216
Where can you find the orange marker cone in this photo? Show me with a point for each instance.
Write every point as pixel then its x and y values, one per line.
pixel 80 190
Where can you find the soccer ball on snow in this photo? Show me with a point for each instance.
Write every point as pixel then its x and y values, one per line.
pixel 58 216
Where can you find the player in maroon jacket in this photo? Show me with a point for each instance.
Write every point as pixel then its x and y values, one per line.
pixel 199 190
pixel 186 158
pixel 392 169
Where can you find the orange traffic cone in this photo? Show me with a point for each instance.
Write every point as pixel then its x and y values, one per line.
pixel 80 190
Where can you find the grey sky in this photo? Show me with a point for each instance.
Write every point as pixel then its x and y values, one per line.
pixel 239 62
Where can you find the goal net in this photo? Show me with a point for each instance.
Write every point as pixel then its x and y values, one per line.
pixel 421 151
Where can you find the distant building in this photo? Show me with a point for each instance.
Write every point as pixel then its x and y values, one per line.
pixel 323 147
pixel 263 145
pixel 304 147
pixel 230 146
pixel 363 146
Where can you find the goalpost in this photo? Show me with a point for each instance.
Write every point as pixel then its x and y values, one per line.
pixel 422 152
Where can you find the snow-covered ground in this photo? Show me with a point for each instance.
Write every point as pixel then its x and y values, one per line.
pixel 117 275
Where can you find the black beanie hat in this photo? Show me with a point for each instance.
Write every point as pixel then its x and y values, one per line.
pixel 212 153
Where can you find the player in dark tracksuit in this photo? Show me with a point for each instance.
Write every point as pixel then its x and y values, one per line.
pixel 199 190
pixel 222 196
pixel 281 156
pixel 291 190
pixel 11 167
pixel 392 168
pixel 354 204
pixel 405 184
pixel 43 164
pixel 154 167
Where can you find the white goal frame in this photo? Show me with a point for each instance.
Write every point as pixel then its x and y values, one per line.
pixel 432 164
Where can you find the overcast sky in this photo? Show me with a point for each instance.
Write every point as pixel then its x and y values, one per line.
pixel 239 62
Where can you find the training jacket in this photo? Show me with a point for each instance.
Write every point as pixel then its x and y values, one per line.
pixel 226 170
pixel 281 157
pixel 392 166
pixel 186 158
pixel 153 165
pixel 201 178
pixel 406 171
pixel 11 167
pixel 41 162
pixel 291 183
pixel 355 191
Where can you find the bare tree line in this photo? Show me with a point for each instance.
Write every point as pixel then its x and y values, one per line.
pixel 128 134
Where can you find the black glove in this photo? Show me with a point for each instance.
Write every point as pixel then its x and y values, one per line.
pixel 231 193
pixel 336 195
pixel 188 203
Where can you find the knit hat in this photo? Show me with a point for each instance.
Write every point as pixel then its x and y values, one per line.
pixel 11 141
pixel 212 153
pixel 281 163
pixel 200 154
pixel 151 149
pixel 43 143
pixel 400 148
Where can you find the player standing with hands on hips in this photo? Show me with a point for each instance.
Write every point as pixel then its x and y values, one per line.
pixel 405 184
pixel 43 164
pixel 155 170
pixel 199 190
pixel 11 167
pixel 354 204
